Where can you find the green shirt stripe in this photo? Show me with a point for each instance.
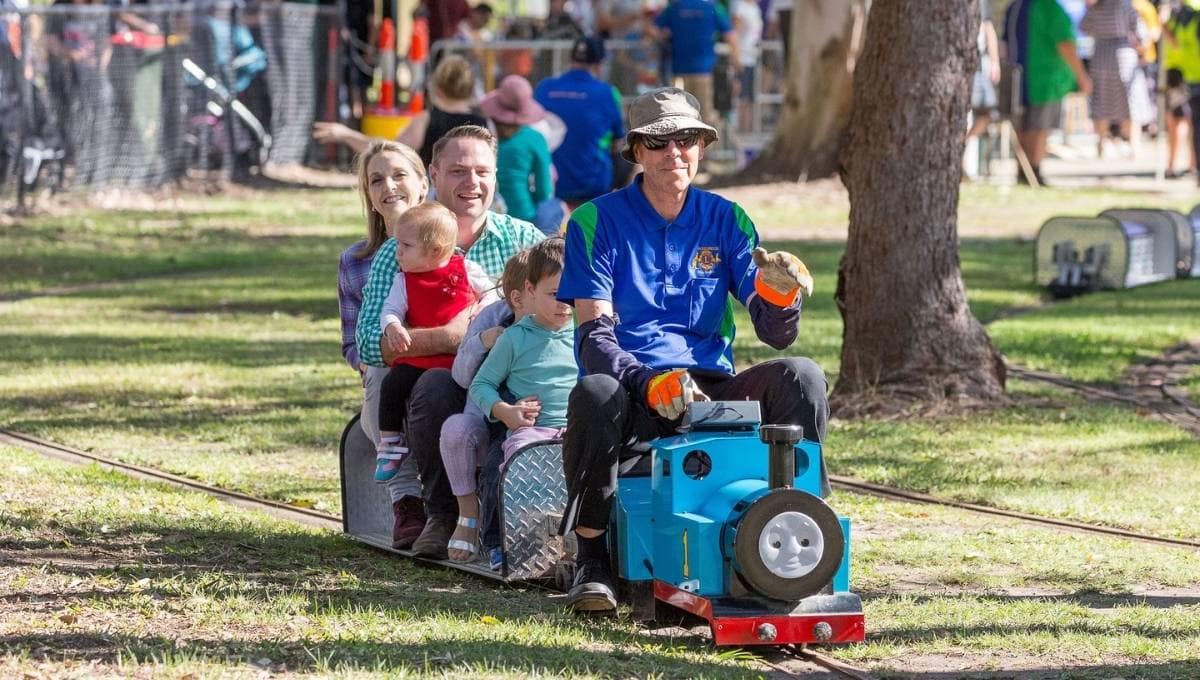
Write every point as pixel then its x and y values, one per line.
pixel 745 225
pixel 586 217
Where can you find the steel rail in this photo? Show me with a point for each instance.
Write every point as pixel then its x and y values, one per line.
pixel 806 654
pixel 306 516
pixel 892 493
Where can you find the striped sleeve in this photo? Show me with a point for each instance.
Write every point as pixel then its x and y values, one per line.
pixel 587 272
pixel 742 270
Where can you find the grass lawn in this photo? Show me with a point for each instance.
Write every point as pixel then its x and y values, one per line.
pixel 148 580
pixel 208 347
pixel 1050 454
pixel 144 579
pixel 218 358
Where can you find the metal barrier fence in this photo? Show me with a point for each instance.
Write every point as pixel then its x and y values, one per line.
pixel 93 97
pixel 634 67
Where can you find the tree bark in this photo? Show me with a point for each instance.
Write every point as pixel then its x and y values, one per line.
pixel 908 333
pixel 826 37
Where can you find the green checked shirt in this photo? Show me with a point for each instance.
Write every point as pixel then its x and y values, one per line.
pixel 502 237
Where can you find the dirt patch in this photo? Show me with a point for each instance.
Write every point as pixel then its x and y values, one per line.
pixel 996 665
pixel 1155 384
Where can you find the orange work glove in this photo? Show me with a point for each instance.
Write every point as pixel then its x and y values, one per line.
pixel 781 277
pixel 669 393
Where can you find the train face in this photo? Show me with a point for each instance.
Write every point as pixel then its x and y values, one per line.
pixel 730 525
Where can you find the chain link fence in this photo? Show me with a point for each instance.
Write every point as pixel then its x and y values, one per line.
pixel 94 97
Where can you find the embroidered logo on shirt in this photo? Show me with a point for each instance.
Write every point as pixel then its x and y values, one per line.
pixel 706 260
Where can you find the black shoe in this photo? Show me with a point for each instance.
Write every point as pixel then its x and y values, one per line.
pixel 592 591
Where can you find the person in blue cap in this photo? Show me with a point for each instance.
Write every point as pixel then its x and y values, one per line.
pixel 592 110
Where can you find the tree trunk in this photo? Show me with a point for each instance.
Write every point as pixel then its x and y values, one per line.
pixel 908 334
pixel 826 37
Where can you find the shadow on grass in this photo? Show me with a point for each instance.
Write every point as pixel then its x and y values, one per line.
pixel 1148 671
pixel 445 657
pixel 167 349
pixel 1084 597
pixel 39 258
pixel 324 577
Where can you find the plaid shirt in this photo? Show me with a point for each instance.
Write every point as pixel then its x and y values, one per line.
pixel 352 276
pixel 502 237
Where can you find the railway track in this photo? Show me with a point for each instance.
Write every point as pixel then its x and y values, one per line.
pixel 305 516
pixel 892 493
pixel 324 520
pixel 1151 386
pixel 789 662
pixel 798 661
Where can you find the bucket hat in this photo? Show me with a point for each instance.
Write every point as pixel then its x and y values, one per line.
pixel 512 103
pixel 664 111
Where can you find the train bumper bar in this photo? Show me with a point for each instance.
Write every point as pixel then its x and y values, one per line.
pixel 819 619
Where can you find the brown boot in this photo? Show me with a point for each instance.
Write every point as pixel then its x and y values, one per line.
pixel 432 542
pixel 409 514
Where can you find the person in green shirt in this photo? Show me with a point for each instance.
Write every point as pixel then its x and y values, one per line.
pixel 1039 37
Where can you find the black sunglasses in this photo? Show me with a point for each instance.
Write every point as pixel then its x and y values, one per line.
pixel 685 139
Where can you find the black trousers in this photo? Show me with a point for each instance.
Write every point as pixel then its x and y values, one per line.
pixel 435 397
pixel 394 392
pixel 604 420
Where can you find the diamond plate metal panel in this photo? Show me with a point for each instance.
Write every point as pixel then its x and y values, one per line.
pixel 533 495
pixel 366 505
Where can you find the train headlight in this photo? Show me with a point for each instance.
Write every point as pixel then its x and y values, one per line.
pixel 788 545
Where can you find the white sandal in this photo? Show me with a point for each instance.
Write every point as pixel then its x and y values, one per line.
pixel 471 547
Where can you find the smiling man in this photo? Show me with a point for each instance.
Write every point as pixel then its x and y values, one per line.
pixel 463 173
pixel 650 270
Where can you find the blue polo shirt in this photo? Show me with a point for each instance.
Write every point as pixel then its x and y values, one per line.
pixel 694 26
pixel 591 108
pixel 669 282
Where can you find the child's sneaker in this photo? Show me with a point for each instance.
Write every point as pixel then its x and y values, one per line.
pixel 391 452
pixel 495 558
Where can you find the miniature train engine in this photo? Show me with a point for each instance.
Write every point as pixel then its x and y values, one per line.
pixel 729 525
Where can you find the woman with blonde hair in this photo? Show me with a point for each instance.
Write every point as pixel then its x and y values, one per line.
pixel 391 179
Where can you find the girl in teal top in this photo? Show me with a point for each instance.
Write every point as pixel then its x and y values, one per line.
pixel 535 360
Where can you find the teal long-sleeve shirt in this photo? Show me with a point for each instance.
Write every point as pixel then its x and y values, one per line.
pixel 530 360
pixel 523 172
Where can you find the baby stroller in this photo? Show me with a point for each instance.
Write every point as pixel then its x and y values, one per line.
pixel 30 143
pixel 234 61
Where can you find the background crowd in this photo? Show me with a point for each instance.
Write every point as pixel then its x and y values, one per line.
pixel 86 78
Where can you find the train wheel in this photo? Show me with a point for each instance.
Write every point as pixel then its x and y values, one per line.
pixel 788 545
